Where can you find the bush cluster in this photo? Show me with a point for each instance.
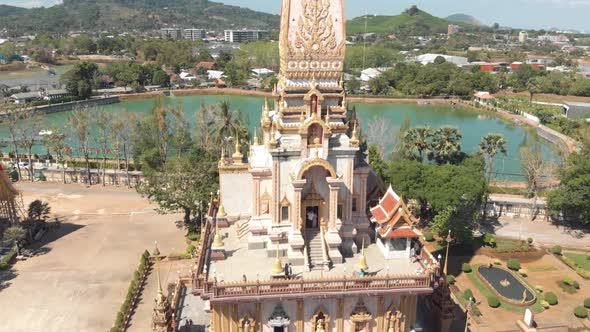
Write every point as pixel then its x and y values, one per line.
pixel 551 298
pixel 194 236
pixel 493 302
pixel 556 250
pixel 513 264
pixel 190 249
pixel 465 267
pixel 129 299
pixel 428 236
pixel 468 294
pixel 530 240
pixel 581 312
pixel 6 260
pixel 450 279
pixel 587 303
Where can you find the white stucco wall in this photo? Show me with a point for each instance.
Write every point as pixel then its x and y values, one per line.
pixel 236 193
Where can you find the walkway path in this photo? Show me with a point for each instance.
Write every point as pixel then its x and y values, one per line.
pixel 80 280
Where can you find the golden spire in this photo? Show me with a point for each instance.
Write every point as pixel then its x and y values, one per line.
pixel 328 116
pixel 362 262
pixel 354 141
pixel 277 267
pixel 217 240
pixel 265 119
pixel 222 158
pixel 160 296
pixel 273 141
pixel 237 156
pixel 221 211
pixel 255 137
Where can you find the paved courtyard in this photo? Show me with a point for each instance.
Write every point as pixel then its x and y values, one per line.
pixel 79 280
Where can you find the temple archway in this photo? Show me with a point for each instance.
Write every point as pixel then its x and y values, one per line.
pixel 320 320
pixel 395 320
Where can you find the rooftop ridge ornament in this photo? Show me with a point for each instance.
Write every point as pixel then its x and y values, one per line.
pixel 255 137
pixel 354 141
pixel 237 156
pixel 277 267
pixel 362 262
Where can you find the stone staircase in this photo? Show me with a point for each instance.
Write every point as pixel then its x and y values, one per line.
pixel 313 241
pixel 243 229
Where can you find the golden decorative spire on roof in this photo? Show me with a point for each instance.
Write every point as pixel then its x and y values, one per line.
pixel 277 267
pixel 160 298
pixel 362 262
pixel 255 137
pixel 273 140
pixel 354 141
pixel 221 211
pixel 237 156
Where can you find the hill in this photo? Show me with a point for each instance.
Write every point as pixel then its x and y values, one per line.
pixel 463 18
pixel 413 21
pixel 126 15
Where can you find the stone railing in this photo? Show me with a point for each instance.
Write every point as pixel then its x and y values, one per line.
pixel 213 290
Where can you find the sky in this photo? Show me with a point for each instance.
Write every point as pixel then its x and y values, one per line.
pixel 529 14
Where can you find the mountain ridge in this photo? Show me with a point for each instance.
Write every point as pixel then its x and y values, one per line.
pixel 464 18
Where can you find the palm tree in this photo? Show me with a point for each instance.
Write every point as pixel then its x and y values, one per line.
pixel 446 144
pixel 490 146
pixel 418 140
pixel 229 123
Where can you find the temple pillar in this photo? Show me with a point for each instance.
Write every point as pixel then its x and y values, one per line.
pixel 332 234
pixel 340 315
pixel 381 313
pixel 235 318
pixel 276 191
pixel 299 325
pixel 259 325
pixel 296 241
pixel 256 196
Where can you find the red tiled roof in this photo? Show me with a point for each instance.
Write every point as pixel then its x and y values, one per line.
pixel 207 65
pixel 402 232
pixel 386 209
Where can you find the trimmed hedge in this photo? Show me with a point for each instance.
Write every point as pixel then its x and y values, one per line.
pixel 587 303
pixel 493 302
pixel 489 239
pixel 450 279
pixel 583 273
pixel 190 249
pixel 465 267
pixel 513 264
pixel 127 305
pixel 581 312
pixel 193 236
pixel 556 250
pixel 551 298
pixel 7 260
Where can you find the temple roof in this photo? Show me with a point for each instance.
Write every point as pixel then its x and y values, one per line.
pixel 393 218
pixel 387 209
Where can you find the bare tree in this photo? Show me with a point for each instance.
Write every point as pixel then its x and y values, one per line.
pixel 56 144
pixel 379 134
pixel 104 124
pixel 80 120
pixel 534 169
pixel 124 125
pixel 12 117
pixel 28 135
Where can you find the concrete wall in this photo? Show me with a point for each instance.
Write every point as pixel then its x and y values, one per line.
pixel 82 103
pixel 236 193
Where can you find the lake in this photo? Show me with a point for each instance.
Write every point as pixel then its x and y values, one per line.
pixel 473 125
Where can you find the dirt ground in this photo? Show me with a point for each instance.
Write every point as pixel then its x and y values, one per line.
pixel 80 277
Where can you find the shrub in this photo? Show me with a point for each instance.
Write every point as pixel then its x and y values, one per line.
pixel 6 260
pixel 497 261
pixel 581 312
pixel 475 310
pixel 190 249
pixel 545 304
pixel 529 240
pixel 428 236
pixel 556 250
pixel 450 279
pixel 513 264
pixel 465 267
pixel 489 239
pixel 523 272
pixel 539 288
pixel 194 236
pixel 587 303
pixel 576 284
pixel 468 294
pixel 568 281
pixel 551 298
pixel 493 302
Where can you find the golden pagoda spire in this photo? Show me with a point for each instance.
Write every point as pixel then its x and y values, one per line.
pixel 277 267
pixel 237 156
pixel 354 141
pixel 328 116
pixel 362 262
pixel 217 240
pixel 265 119
pixel 222 158
pixel 273 141
pixel 160 295
pixel 255 137
pixel 221 210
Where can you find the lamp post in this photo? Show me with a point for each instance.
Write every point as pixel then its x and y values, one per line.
pixel 447 254
pixel 467 313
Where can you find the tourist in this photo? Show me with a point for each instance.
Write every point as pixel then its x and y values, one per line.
pixel 290 270
pixel 361 273
pixel 244 279
pixel 286 269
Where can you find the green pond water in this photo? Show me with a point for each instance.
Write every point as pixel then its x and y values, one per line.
pixel 473 125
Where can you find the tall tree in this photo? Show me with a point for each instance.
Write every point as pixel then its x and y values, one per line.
pixel 418 140
pixel 446 145
pixel 378 134
pixel 534 169
pixel 80 79
pixel 569 201
pixel 12 119
pixel 56 144
pixel 30 126
pixel 104 126
pixel 490 146
pixel 81 121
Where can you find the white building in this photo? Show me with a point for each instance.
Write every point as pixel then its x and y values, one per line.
pixel 214 74
pixel 262 72
pixel 429 58
pixel 370 73
pixel 195 34
pixel 523 36
pixel 172 33
pixel 240 36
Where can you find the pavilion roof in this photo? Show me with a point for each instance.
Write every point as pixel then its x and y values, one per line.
pixel 392 216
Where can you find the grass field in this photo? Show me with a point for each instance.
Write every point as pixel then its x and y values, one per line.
pixel 581 260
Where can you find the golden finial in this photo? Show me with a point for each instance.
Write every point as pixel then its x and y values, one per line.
pixel 277 267
pixel 160 296
pixel 237 156
pixel 255 137
pixel 355 137
pixel 222 158
pixel 314 84
pixel 362 262
pixel 221 211
pixel 328 116
pixel 273 141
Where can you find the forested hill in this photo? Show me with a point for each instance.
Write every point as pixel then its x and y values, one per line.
pixel 126 15
pixel 413 21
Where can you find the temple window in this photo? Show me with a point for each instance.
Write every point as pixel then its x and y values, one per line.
pixel 339 211
pixel 354 204
pixel 285 207
pixel 265 201
pixel 314 105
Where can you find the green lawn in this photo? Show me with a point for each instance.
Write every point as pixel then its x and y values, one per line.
pixel 536 307
pixel 581 260
pixel 505 245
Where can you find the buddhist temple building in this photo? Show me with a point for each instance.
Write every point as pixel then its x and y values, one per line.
pixel 291 243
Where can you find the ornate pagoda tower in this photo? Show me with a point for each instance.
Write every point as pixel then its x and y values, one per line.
pixel 302 175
